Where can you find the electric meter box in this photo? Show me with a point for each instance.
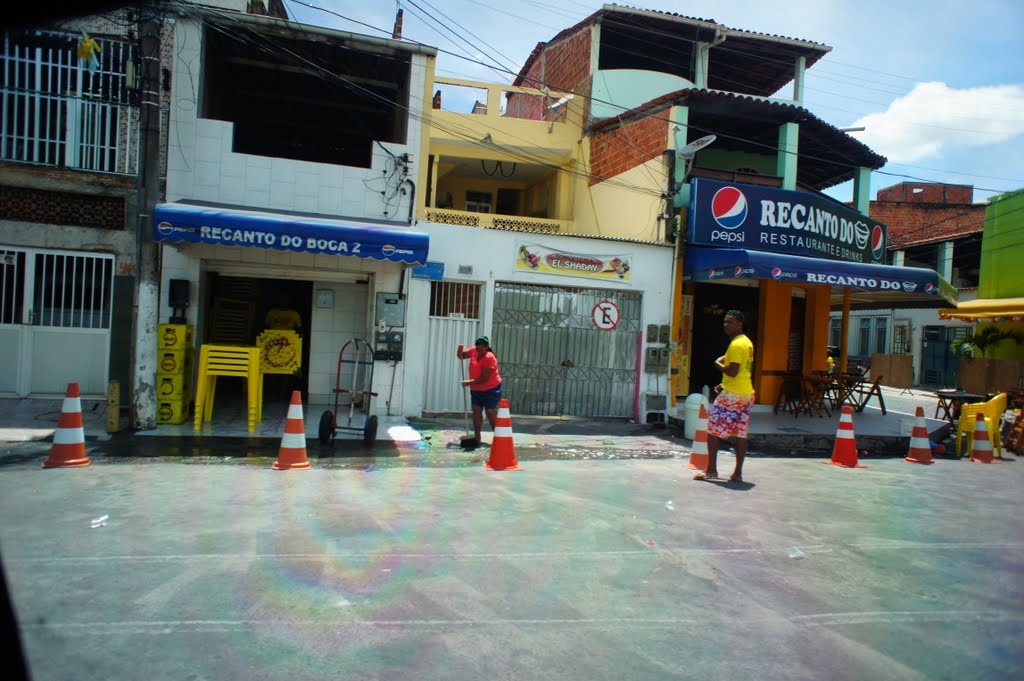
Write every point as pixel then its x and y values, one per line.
pixel 390 310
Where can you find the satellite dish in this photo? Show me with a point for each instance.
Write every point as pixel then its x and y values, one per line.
pixel 691 149
pixel 560 102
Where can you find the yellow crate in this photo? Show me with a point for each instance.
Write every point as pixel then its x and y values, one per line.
pixel 174 336
pixel 174 361
pixel 173 386
pixel 171 411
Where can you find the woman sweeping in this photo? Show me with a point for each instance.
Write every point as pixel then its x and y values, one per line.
pixel 484 382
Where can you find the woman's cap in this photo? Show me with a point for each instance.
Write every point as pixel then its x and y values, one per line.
pixel 483 339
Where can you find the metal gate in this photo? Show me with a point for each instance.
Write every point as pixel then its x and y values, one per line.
pixel 938 363
pixel 55 315
pixel 454 318
pixel 555 361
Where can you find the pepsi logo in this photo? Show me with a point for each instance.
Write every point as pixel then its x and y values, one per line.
pixel 165 228
pixel 928 288
pixel 729 207
pixel 776 272
pixel 712 273
pixel 387 249
pixel 737 271
pixel 878 242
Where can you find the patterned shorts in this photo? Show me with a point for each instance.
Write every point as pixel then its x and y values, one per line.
pixel 730 415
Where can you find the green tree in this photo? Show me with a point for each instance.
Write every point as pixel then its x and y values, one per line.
pixel 985 339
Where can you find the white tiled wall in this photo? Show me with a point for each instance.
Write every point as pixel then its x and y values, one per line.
pixel 330 330
pixel 202 165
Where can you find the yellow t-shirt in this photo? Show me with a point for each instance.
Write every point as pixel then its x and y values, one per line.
pixel 741 351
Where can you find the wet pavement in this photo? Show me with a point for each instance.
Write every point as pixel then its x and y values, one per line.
pixel 205 567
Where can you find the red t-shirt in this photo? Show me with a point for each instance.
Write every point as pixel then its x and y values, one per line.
pixel 476 364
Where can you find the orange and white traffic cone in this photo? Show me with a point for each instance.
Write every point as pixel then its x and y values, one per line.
pixel 68 448
pixel 292 453
pixel 981 445
pixel 699 453
pixel 503 449
pixel 844 452
pixel 920 448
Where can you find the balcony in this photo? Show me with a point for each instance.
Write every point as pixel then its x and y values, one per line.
pixel 514 223
pixel 501 157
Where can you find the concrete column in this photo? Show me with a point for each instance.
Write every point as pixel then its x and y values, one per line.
pixel 680 119
pixel 946 260
pixel 862 190
pixel 898 258
pixel 798 79
pixel 786 165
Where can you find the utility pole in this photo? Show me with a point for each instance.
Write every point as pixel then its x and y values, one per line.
pixel 147 295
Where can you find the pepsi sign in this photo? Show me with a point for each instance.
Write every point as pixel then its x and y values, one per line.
pixel 780 221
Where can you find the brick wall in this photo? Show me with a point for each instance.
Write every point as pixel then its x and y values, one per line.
pixel 912 222
pixel 564 65
pixel 618 150
pixel 927 192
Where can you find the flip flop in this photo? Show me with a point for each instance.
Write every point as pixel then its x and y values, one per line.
pixel 704 476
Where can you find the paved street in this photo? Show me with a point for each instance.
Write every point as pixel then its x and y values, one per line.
pixel 220 568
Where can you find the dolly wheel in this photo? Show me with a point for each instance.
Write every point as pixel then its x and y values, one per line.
pixel 326 427
pixel 370 431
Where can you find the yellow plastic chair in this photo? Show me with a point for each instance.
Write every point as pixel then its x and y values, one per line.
pixel 993 413
pixel 242 361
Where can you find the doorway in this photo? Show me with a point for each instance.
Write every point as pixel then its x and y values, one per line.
pixel 237 312
pixel 710 303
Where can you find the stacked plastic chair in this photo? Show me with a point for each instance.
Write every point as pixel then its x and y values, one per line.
pixel 241 361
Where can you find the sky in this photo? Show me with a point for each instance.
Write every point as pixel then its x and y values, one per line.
pixel 938 85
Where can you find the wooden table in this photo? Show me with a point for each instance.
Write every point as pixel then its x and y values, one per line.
pixel 950 401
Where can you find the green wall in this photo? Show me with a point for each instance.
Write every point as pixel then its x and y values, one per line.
pixel 1002 248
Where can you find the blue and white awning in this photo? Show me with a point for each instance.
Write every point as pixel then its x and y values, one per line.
pixel 282 232
pixel 887 283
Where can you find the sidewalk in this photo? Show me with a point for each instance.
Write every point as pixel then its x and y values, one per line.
pixel 24 420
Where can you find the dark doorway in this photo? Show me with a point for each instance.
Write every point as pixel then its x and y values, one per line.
pixel 711 301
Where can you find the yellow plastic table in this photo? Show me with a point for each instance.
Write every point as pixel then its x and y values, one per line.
pixel 241 361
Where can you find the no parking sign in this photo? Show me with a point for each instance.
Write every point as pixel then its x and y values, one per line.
pixel 605 315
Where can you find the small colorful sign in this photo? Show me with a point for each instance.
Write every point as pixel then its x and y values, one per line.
pixel 545 260
pixel 605 315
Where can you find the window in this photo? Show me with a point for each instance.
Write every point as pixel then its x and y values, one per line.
pixel 478 202
pixel 864 346
pixel 292 96
pixel 59 112
pixel 835 332
pixel 881 335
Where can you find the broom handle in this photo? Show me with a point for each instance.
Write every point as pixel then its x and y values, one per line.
pixel 465 405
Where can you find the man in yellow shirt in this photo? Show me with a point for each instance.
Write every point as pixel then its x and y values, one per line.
pixel 730 414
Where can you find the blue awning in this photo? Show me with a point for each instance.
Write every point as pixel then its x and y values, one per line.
pixel 295 233
pixel 876 285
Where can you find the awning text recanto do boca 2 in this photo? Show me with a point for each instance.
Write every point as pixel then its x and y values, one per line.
pixel 224 227
pixel 879 282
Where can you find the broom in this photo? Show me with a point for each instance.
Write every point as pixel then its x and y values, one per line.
pixel 469 439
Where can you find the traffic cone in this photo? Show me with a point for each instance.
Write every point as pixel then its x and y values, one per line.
pixel 981 445
pixel 920 447
pixel 844 452
pixel 503 449
pixel 68 448
pixel 292 453
pixel 699 453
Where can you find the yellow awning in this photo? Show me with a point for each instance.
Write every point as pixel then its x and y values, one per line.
pixel 986 308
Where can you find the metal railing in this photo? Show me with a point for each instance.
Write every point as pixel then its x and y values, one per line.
pixel 58 111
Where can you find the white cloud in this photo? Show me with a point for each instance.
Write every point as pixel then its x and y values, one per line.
pixel 933 117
